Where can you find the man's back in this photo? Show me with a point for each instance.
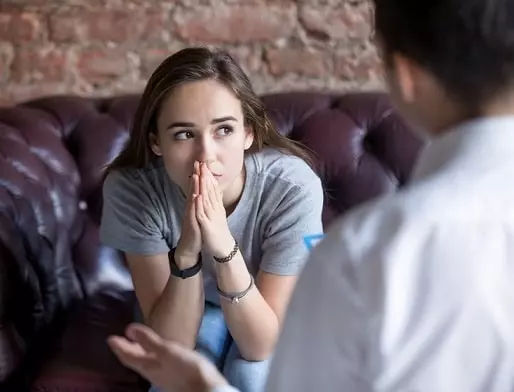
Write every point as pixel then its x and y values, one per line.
pixel 414 292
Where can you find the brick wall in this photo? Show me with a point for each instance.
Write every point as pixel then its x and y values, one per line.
pixel 102 47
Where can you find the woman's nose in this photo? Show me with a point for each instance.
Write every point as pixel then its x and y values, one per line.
pixel 205 150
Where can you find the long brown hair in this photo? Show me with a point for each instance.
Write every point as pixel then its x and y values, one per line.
pixel 189 65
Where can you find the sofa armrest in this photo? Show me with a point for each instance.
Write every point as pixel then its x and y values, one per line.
pixel 38 276
pixel 12 345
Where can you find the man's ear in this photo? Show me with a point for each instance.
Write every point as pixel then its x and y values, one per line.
pixel 154 144
pixel 249 137
pixel 405 73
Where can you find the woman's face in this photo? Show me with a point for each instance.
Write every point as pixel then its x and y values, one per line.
pixel 202 121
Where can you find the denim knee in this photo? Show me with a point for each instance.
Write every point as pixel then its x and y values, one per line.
pixel 247 376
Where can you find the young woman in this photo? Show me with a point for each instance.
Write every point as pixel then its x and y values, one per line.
pixel 210 205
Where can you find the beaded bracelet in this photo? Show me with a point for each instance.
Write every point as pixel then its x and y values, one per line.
pixel 230 256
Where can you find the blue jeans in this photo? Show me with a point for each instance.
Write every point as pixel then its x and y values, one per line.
pixel 214 342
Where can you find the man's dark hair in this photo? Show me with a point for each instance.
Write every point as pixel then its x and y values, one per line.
pixel 467 44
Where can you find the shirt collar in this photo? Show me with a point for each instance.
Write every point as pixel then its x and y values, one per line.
pixel 472 144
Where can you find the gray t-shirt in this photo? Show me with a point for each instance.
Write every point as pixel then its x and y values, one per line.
pixel 281 204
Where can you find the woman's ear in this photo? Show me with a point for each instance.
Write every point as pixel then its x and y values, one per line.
pixel 249 137
pixel 154 144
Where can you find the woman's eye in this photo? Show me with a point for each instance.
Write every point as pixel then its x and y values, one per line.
pixel 183 135
pixel 224 131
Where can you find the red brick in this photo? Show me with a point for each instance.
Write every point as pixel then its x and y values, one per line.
pixel 237 24
pixel 250 59
pixel 38 64
pixel 22 4
pixel 89 3
pixel 154 4
pixel 22 92
pixel 102 66
pixel 66 27
pixel 19 27
pixel 96 25
pixel 193 3
pixel 281 2
pixel 151 59
pixel 359 67
pixel 299 61
pixel 5 102
pixel 345 22
pixel 6 57
pixel 117 26
pixel 144 32
pixel 153 26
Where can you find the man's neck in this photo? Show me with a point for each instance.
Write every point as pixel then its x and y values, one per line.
pixel 502 106
pixel 499 107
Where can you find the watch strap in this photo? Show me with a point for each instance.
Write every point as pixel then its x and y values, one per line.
pixel 187 272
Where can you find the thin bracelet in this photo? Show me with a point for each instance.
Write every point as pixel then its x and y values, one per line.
pixel 236 297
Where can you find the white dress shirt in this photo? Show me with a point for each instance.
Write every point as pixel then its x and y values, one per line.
pixel 414 292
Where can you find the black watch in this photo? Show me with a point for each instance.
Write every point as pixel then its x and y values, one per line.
pixel 185 273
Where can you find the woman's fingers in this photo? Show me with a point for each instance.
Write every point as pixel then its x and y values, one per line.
pixel 201 215
pixel 196 184
pixel 203 179
pixel 210 197
pixel 199 202
pixel 212 189
pixel 193 210
pixel 218 197
pixel 206 190
pixel 193 191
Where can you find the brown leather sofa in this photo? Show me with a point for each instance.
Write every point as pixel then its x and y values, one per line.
pixel 62 292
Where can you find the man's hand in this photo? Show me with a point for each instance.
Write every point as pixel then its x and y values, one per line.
pixel 165 364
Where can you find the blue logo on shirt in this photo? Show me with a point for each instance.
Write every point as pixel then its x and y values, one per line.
pixel 312 240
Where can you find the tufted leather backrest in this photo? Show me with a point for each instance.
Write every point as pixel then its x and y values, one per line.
pixel 362 147
pixel 52 151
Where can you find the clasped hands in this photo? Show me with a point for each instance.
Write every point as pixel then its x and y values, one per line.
pixel 205 220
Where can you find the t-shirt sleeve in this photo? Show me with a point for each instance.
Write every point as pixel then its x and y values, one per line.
pixel 298 215
pixel 131 220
